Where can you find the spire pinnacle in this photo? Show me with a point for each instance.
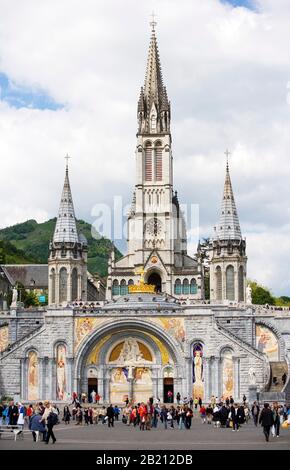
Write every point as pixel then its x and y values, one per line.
pixel 67 157
pixel 229 225
pixel 153 104
pixel 153 23
pixel 227 154
pixel 65 228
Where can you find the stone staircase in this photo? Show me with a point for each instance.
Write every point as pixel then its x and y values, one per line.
pixel 274 391
pixel 277 370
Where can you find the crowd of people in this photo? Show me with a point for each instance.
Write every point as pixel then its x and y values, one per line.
pixel 42 417
pixel 39 418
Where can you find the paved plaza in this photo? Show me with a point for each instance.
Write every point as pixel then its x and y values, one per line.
pixel 123 437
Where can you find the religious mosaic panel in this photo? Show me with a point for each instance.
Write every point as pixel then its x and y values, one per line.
pixel 119 385
pixel 33 376
pixel 267 342
pixel 142 386
pixel 61 383
pixel 197 372
pixel 173 326
pixel 4 335
pixel 227 374
pixel 83 327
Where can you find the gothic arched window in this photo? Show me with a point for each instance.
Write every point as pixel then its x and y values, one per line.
pixel 230 283
pixel 148 161
pixel 185 287
pixel 177 287
pixel 158 161
pixel 116 288
pixel 193 286
pixel 74 284
pixel 52 277
pixel 241 284
pixel 63 285
pixel 219 285
pixel 123 287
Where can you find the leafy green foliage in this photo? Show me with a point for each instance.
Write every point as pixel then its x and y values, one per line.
pixel 30 240
pixel 261 295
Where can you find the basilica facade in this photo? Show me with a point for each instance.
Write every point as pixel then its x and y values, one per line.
pixel 153 332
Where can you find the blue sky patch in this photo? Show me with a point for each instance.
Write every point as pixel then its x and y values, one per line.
pixel 25 97
pixel 241 3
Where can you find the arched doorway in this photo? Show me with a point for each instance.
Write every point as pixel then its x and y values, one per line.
pixel 155 279
pixel 168 385
pixel 92 382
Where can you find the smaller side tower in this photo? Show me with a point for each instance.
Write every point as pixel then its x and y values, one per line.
pixel 227 252
pixel 67 262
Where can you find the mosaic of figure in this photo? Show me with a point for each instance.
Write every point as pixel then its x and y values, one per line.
pixel 197 373
pixel 33 376
pixel 61 373
pixel 228 374
pixel 267 343
pixel 4 334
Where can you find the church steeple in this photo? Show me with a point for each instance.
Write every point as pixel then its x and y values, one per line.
pixel 67 262
pixel 153 105
pixel 227 251
pixel 228 227
pixel 65 228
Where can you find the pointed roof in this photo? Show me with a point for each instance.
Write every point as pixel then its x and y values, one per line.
pixel 229 225
pixel 153 91
pixel 65 228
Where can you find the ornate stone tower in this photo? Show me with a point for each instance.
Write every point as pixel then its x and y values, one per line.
pixel 227 252
pixel 67 263
pixel 157 241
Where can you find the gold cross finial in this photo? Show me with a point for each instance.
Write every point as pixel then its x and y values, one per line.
pixel 153 22
pixel 227 154
pixel 67 159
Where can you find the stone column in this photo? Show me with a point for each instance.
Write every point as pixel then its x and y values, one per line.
pixel 56 285
pixel 236 366
pixel 188 365
pixel 206 372
pixel 224 284
pixel 23 378
pixel 236 283
pixel 216 387
pixel 69 283
pixel 80 286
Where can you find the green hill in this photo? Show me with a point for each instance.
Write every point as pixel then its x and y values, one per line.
pixel 31 241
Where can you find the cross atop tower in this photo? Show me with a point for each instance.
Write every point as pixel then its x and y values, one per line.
pixel 153 23
pixel 67 157
pixel 227 154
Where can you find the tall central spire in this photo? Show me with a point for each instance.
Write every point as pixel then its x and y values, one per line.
pixel 65 228
pixel 153 105
pixel 229 225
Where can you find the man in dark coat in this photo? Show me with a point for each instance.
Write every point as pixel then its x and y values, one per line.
pixel 51 421
pixel 13 414
pixel 224 412
pixel 110 414
pixel 255 412
pixel 235 416
pixel 266 420
pixel 241 414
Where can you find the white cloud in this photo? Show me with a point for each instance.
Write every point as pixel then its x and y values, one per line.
pixel 226 70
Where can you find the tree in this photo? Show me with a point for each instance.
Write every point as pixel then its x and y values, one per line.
pixel 261 295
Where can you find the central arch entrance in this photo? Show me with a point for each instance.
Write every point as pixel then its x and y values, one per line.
pixel 128 358
pixel 155 279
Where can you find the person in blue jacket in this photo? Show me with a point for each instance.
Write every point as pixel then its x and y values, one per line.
pixel 35 424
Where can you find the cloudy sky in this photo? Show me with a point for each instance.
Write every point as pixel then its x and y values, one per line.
pixel 70 76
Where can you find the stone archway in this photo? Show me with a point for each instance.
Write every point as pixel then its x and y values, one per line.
pixel 163 347
pixel 155 279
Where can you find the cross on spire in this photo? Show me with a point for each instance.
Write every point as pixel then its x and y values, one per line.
pixel 153 23
pixel 67 157
pixel 227 154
